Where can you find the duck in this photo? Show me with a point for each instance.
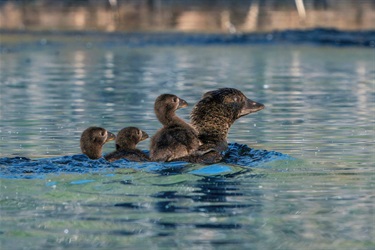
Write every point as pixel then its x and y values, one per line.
pixel 213 116
pixel 126 142
pixel 176 138
pixel 92 141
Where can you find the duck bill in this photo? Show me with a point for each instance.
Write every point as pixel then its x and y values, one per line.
pixel 250 107
pixel 144 136
pixel 110 137
pixel 182 104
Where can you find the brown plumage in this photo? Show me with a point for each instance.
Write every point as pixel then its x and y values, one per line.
pixel 176 138
pixel 92 141
pixel 213 116
pixel 126 142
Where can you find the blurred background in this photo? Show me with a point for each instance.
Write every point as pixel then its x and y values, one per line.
pixel 215 16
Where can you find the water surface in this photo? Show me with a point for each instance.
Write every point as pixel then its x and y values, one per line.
pixel 298 175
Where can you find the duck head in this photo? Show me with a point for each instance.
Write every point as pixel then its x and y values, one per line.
pixel 166 105
pixel 92 141
pixel 129 137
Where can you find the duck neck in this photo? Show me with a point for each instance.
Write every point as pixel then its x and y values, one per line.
pixel 212 134
pixel 212 129
pixel 170 118
pixel 127 146
pixel 94 152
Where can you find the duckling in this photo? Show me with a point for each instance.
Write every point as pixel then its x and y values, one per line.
pixel 176 138
pixel 126 142
pixel 213 116
pixel 92 141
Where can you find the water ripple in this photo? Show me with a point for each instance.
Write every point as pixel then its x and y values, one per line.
pixel 239 154
pixel 312 36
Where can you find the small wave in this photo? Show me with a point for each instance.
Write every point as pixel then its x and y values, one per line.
pixel 243 155
pixel 22 167
pixel 318 36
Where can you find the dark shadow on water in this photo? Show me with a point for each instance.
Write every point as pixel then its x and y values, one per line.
pixel 243 155
pixel 213 196
pixel 237 154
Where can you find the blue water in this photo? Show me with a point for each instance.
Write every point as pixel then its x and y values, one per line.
pixel 330 37
pixel 297 175
pixel 22 167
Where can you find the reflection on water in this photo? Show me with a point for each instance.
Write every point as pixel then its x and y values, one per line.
pixel 141 210
pixel 319 102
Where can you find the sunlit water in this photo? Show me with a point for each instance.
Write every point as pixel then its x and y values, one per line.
pixel 298 174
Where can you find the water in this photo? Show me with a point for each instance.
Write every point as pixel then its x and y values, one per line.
pixel 298 175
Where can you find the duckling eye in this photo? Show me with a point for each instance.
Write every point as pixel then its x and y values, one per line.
pixel 102 133
pixel 175 99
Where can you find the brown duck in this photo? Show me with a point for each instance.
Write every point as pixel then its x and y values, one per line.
pixel 176 138
pixel 213 116
pixel 126 142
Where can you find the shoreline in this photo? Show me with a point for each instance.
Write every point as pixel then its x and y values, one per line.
pixel 190 16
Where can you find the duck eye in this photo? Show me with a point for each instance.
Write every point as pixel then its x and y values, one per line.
pixel 175 99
